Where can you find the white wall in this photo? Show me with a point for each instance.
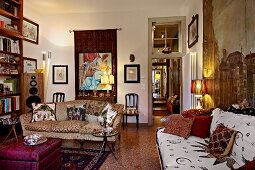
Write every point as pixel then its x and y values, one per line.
pixel 133 38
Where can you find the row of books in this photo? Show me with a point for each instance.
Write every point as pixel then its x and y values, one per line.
pixel 9 104
pixel 8 7
pixel 9 45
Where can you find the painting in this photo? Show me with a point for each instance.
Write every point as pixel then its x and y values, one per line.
pixel 29 65
pixel 60 74
pixel 91 67
pixel 30 31
pixel 132 73
pixel 193 31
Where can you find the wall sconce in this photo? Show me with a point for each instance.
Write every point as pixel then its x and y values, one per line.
pixel 198 87
pixel 107 80
pixel 132 57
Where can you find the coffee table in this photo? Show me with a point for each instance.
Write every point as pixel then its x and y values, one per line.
pixel 105 135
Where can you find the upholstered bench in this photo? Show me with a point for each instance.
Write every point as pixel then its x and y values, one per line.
pixel 43 156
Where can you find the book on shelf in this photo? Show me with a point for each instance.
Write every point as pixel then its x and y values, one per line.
pixel 9 104
pixel 9 45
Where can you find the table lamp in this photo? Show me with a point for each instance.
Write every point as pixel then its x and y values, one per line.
pixel 198 87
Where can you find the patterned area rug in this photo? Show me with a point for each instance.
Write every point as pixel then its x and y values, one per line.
pixel 76 159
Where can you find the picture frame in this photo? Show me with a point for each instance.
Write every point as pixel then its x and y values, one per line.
pixel 132 73
pixel 193 31
pixel 60 74
pixel 29 65
pixel 30 31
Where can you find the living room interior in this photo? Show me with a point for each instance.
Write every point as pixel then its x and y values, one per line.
pixel 188 61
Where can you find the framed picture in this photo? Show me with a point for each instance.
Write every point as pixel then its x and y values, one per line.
pixel 193 31
pixel 30 31
pixel 60 74
pixel 132 73
pixel 29 65
pixel 92 66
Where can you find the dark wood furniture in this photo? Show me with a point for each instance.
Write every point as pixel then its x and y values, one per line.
pixel 131 108
pixel 110 99
pixel 58 97
pixel 11 52
pixel 173 108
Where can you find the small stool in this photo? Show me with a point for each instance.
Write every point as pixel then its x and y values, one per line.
pixel 40 157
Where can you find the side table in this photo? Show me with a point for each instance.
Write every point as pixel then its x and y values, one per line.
pixel 11 122
pixel 105 135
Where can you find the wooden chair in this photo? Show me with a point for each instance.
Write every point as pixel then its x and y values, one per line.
pixel 58 97
pixel 131 108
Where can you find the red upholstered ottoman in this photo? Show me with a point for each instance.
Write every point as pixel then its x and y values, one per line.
pixel 20 157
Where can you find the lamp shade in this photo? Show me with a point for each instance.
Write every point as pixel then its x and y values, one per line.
pixel 104 79
pixel 198 87
pixel 111 79
pixel 157 76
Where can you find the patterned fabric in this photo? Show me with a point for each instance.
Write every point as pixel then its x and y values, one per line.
pixel 90 128
pixel 131 111
pixel 110 114
pixel 196 112
pixel 91 118
pixel 178 125
pixel 221 141
pixel 71 126
pixel 41 126
pixel 76 112
pixel 177 153
pixel 94 107
pixel 248 166
pixel 43 111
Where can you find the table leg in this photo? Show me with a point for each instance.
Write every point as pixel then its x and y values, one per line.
pixel 12 130
pixel 111 150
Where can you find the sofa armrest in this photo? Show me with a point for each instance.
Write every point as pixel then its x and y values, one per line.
pixel 117 122
pixel 25 120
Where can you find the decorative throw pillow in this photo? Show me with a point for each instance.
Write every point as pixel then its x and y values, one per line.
pixel 248 166
pixel 76 112
pixel 178 125
pixel 201 126
pixel 221 141
pixel 197 112
pixel 110 114
pixel 43 111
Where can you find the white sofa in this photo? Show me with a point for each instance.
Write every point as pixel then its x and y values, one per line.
pixel 183 154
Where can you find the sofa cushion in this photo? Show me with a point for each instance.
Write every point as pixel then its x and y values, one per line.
pixel 68 126
pixel 110 114
pixel 94 107
pixel 221 141
pixel 90 128
pixel 201 126
pixel 196 112
pixel 41 126
pixel 248 166
pixel 178 125
pixel 76 112
pixel 43 111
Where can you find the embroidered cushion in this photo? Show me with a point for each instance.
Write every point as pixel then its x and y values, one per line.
pixel 76 112
pixel 43 111
pixel 196 112
pixel 201 126
pixel 110 114
pixel 221 141
pixel 178 125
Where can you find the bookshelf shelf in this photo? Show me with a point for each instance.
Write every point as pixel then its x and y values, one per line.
pixel 11 53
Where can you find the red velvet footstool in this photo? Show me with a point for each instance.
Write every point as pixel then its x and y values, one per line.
pixel 21 157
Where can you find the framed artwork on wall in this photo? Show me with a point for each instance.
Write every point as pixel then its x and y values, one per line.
pixel 193 31
pixel 60 74
pixel 29 65
pixel 30 31
pixel 92 66
pixel 132 73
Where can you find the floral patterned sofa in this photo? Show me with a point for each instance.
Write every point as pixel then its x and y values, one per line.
pixel 68 127
pixel 176 152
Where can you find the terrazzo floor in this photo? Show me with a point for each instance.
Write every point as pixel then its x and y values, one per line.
pixel 136 149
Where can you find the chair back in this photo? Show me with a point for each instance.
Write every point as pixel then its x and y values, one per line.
pixel 131 101
pixel 58 97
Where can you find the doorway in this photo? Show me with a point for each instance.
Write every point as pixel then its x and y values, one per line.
pixel 166 86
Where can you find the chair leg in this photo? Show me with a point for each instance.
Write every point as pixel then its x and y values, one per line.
pixel 123 121
pixel 126 120
pixel 137 121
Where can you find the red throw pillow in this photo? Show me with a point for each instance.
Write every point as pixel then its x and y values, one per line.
pixel 178 125
pixel 248 166
pixel 197 112
pixel 221 141
pixel 201 126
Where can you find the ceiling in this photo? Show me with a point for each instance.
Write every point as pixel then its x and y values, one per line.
pixel 84 6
